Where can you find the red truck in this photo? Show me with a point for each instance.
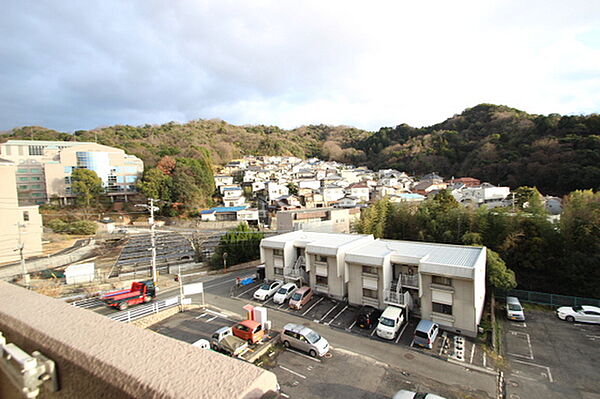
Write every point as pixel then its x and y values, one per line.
pixel 140 292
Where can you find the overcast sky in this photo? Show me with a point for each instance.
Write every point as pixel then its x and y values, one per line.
pixel 72 65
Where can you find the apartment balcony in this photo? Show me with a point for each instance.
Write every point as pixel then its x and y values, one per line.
pixel 407 280
pixel 391 297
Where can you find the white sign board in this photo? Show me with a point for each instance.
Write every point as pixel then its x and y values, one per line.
pixel 191 289
pixel 186 301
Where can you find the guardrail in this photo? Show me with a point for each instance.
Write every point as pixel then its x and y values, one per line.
pixel 145 310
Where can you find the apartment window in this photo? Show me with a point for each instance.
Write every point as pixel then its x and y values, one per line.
pixel 68 169
pixel 23 178
pixel 278 252
pixel 321 258
pixel 369 293
pixel 68 180
pixel 35 178
pixel 322 281
pixel 369 269
pixel 114 179
pixel 441 308
pixel 441 280
pixel 26 216
pixel 36 194
pixel 23 187
pixel 36 150
pixel 278 270
pixel 21 170
pixel 36 186
pixel 35 170
pixel 130 179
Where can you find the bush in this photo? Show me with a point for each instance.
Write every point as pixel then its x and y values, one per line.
pixel 78 227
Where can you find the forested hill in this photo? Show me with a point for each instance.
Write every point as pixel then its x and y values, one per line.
pixel 502 145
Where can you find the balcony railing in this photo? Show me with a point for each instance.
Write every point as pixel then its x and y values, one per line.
pixel 396 298
pixel 409 280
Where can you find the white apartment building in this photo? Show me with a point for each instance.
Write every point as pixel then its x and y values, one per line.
pixel 233 196
pixel 443 283
pixel 276 190
pixel 333 193
pixel 223 180
pixel 485 194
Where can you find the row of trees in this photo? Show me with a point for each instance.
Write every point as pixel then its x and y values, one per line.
pixel 561 257
pixel 241 244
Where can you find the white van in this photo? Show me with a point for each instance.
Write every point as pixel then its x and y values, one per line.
pixel 514 310
pixel 390 321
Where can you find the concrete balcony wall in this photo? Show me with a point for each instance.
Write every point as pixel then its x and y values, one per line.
pixel 100 358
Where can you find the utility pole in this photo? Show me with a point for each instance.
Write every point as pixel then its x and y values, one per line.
pixel 153 241
pixel 152 208
pixel 20 248
pixel 225 262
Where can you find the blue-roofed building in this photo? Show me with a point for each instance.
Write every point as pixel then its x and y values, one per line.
pixel 229 213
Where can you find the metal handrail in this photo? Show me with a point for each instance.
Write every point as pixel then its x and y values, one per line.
pixel 145 310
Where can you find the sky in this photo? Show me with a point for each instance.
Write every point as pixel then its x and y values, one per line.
pixel 70 65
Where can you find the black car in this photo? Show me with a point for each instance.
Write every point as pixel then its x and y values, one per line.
pixel 368 316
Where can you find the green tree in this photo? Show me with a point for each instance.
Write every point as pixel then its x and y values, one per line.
pixel 446 200
pixel 498 275
pixel 241 244
pixel 156 184
pixel 530 200
pixel 86 185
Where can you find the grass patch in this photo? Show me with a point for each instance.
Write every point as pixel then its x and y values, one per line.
pixel 537 306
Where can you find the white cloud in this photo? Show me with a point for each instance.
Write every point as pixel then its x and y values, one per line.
pixel 106 62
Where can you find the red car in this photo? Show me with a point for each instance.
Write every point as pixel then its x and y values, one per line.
pixel 249 330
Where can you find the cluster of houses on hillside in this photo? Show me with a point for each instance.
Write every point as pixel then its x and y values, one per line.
pixel 289 184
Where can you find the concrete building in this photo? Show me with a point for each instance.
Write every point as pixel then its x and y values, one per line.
pixel 485 194
pixel 327 220
pixel 44 168
pixel 100 358
pixel 21 225
pixel 443 283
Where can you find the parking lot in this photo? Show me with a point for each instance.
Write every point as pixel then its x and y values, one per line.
pixel 339 374
pixel 341 315
pixel 551 358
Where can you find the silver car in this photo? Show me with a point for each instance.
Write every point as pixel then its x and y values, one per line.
pixel 303 338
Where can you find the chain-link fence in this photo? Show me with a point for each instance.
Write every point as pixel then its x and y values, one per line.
pixel 544 298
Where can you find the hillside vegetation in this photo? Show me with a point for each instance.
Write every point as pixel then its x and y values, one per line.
pixel 499 144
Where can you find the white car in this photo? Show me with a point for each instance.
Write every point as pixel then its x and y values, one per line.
pixel 285 292
pixel 584 314
pixel 267 290
pixel 403 394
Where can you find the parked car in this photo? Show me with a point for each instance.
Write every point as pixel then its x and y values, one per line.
pixel 390 321
pixel 514 310
pixel 414 395
pixel 249 330
pixel 303 338
pixel 426 333
pixel 583 313
pixel 202 343
pixel 284 293
pixel 301 297
pixel 367 316
pixel 267 290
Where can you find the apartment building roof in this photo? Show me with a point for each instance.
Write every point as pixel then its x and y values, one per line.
pixel 317 241
pixel 46 143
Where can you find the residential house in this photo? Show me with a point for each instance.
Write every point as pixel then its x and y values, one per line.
pixel 347 202
pixel 233 196
pixel 467 181
pixel 332 193
pixel 443 283
pixel 276 190
pixel 360 191
pixel 329 220
pixel 485 194
pixel 223 180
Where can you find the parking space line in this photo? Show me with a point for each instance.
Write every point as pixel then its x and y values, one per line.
pixel 303 355
pixel 267 301
pixel 402 332
pixel 530 357
pixel 282 305
pixel 292 371
pixel 211 319
pixel 472 353
pixel 352 325
pixel 330 310
pixel 443 343
pixel 217 313
pixel 336 316
pixel 237 296
pixel 484 359
pixel 314 304
pixel 201 316
pixel 537 365
pixel 284 395
pixel 217 284
pixel 373 332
